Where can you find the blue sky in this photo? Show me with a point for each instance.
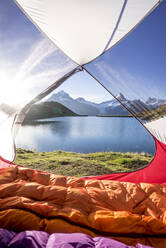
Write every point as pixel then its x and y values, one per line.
pixel 138 63
pixel 139 59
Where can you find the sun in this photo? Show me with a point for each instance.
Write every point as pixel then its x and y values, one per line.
pixel 6 88
pixel 10 89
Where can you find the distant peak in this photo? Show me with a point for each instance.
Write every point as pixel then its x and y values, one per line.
pixel 151 99
pixel 155 101
pixel 62 93
pixel 81 99
pixel 121 97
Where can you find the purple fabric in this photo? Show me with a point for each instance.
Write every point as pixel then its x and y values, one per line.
pixel 30 239
pixel 105 243
pixel 39 239
pixel 67 240
pixel 5 237
pixel 143 246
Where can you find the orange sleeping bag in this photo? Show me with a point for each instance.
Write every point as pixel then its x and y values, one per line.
pixel 128 212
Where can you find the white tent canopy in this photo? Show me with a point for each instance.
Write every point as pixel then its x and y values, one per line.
pixel 83 29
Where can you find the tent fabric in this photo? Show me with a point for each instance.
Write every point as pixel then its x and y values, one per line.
pixel 130 213
pixel 132 94
pixel 5 163
pixel 39 239
pixel 155 172
pixel 7 146
pixel 11 118
pixel 72 25
pixel 35 66
pixel 72 28
pixel 157 128
pixel 129 207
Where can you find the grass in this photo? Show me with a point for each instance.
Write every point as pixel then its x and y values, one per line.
pixel 79 164
pixel 153 113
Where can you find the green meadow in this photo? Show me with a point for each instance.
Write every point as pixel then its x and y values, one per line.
pixel 79 164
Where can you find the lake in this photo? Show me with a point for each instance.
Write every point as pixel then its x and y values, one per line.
pixel 86 134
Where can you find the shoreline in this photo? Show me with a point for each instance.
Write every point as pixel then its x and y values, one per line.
pixel 124 116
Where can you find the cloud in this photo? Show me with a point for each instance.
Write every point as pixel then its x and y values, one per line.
pixel 38 53
pixel 35 84
pixel 41 67
pixel 122 80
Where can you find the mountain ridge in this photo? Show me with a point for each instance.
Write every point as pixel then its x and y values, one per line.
pixel 82 106
pixel 46 110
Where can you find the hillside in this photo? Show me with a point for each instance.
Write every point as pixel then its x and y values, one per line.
pixel 154 114
pixel 61 104
pixel 46 110
pixel 79 105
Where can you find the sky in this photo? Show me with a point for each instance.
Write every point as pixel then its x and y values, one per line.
pixel 136 66
pixel 27 57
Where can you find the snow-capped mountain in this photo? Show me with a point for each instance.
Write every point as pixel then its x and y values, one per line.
pixel 79 106
pixel 84 107
pixel 112 107
pixel 154 102
pixel 82 100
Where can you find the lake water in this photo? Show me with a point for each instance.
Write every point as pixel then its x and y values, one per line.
pixel 87 134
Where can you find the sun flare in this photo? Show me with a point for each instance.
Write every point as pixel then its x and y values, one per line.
pixel 12 90
pixel 7 89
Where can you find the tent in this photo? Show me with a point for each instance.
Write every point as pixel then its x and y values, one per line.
pixel 82 35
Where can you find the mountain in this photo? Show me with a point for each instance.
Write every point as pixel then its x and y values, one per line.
pixel 155 113
pixel 154 102
pixel 84 107
pixel 46 110
pixel 112 107
pixel 82 100
pixel 79 105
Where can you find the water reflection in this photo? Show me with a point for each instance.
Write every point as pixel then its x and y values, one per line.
pixel 86 134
